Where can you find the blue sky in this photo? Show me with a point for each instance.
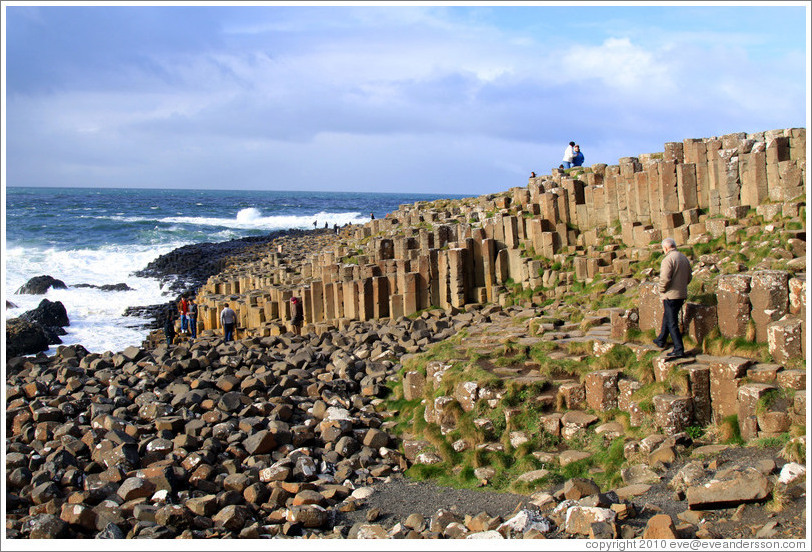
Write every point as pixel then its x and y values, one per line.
pixel 422 98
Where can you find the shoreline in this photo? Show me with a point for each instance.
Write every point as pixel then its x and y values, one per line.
pixel 182 270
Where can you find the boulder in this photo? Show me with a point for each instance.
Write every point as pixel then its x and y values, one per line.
pixel 51 316
pixel 39 285
pixel 791 472
pixel 106 287
pixel 47 526
pixel 579 519
pixel 660 526
pixel 24 338
pixel 524 521
pixel 747 486
pixel 579 487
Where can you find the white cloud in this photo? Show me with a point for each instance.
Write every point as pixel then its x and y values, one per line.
pixel 619 64
pixel 420 93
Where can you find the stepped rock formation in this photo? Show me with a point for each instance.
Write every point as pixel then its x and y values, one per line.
pixel 566 229
pixel 281 435
pixel 452 253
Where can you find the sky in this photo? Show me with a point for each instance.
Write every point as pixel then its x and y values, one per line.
pixel 394 97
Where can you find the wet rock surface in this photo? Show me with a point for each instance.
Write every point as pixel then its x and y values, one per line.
pixel 105 287
pixel 24 338
pixel 36 329
pixel 39 285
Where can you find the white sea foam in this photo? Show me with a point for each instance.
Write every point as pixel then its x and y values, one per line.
pixel 251 219
pixel 96 319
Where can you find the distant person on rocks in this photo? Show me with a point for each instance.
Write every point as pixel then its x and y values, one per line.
pixel 228 318
pixel 325 226
pixel 169 328
pixel 372 216
pixel 335 227
pixel 297 315
pixel 192 314
pixel 675 275
pixel 569 155
pixel 578 157
pixel 183 309
pixel 315 223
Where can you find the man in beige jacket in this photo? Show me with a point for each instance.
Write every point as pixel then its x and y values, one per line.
pixel 675 274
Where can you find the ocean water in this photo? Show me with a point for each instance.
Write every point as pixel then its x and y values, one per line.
pixel 103 236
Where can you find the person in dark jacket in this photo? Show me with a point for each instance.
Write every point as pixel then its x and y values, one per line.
pixel 191 313
pixel 228 319
pixel 169 328
pixel 297 315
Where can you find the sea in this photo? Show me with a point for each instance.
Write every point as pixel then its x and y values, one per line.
pixel 104 236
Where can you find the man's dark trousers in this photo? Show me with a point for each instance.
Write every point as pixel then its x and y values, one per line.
pixel 670 325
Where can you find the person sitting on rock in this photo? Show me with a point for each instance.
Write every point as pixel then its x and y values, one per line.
pixel 578 157
pixel 297 315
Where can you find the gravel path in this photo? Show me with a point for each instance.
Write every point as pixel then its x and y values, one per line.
pixel 400 497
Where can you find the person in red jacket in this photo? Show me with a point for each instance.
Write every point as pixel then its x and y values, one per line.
pixel 183 309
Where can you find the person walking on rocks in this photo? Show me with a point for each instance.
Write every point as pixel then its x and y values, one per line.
pixel 169 327
pixel 191 312
pixel 228 318
pixel 183 309
pixel 675 275
pixel 297 315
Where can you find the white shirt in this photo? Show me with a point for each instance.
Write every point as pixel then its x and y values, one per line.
pixel 569 154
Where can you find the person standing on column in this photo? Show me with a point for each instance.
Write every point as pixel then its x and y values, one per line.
pixel 169 327
pixel 183 310
pixel 675 275
pixel 569 155
pixel 297 315
pixel 228 318
pixel 191 313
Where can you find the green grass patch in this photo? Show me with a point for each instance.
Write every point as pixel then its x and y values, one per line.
pixel 772 442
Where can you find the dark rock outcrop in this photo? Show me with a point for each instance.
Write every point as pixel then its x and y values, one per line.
pixel 106 287
pixel 39 285
pixel 51 316
pixel 24 338
pixel 48 313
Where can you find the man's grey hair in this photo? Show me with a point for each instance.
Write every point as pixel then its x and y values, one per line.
pixel 669 243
